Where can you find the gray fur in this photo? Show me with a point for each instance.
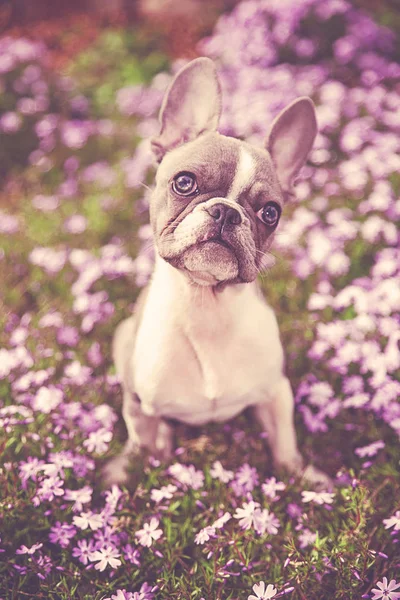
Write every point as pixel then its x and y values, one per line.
pixel 221 257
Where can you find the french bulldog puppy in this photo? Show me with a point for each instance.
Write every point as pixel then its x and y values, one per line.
pixel 202 344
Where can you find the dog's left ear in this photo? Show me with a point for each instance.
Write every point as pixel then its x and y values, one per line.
pixel 192 106
pixel 291 138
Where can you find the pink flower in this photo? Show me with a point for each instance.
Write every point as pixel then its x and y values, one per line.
pixel 50 487
pixel 165 493
pixel 245 481
pixel 306 538
pixel 369 450
pixel 271 486
pixel 217 471
pixel 219 523
pixel 187 475
pixel 261 592
pixel 25 550
pixel 386 590
pixel 149 533
pixel 265 522
pixel 83 551
pixel 104 557
pixel 393 521
pixel 98 441
pixel 79 497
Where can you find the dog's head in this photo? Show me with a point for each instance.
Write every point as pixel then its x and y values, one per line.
pixel 218 200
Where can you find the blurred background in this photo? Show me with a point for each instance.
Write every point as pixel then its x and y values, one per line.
pixel 81 83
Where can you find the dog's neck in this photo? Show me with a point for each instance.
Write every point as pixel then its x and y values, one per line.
pixel 175 286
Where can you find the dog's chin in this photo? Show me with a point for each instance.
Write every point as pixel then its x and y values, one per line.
pixel 210 263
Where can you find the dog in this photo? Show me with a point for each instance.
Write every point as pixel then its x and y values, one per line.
pixel 202 344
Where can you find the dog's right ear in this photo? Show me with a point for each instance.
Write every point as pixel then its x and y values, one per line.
pixel 191 106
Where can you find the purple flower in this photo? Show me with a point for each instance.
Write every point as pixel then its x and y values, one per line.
pixel 370 450
pixel 49 488
pixel 271 486
pixel 386 590
pixel 29 469
pixel 307 538
pixel 132 555
pixel 265 522
pixel 68 336
pixel 61 533
pixel 245 481
pixel 75 134
pixel 25 550
pixel 10 122
pixel 83 551
pixel 98 441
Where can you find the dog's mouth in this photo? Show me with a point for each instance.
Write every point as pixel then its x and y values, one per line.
pixel 212 256
pixel 211 261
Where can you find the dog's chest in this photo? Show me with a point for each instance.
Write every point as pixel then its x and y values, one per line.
pixel 207 361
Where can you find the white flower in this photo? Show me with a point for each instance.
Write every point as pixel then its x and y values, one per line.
pixel 393 521
pixel 247 514
pixel 105 556
pixel 317 497
pixel 149 533
pixel 88 519
pixel 204 535
pixel 261 592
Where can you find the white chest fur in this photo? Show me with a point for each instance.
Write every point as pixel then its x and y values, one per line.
pixel 201 356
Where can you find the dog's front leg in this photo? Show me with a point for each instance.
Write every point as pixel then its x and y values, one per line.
pixel 151 433
pixel 276 416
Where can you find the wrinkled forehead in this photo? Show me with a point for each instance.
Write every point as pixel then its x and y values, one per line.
pixel 221 162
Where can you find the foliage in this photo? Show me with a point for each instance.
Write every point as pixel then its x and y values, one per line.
pixel 216 521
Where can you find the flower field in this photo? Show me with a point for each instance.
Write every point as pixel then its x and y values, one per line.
pixel 216 522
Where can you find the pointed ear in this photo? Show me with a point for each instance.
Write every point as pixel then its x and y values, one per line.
pixel 290 139
pixel 191 106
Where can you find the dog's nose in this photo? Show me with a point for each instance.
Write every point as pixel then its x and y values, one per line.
pixel 224 215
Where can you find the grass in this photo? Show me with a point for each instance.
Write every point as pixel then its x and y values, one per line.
pixel 351 551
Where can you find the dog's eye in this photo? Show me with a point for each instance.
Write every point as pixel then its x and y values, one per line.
pixel 270 214
pixel 184 184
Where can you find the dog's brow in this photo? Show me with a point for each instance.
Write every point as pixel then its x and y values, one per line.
pixel 244 174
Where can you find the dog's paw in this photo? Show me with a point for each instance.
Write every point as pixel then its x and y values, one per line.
pixel 319 480
pixel 115 471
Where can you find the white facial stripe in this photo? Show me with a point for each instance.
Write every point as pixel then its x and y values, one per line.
pixel 245 171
